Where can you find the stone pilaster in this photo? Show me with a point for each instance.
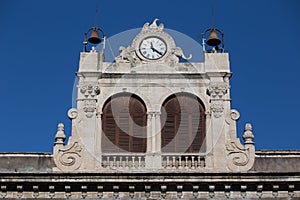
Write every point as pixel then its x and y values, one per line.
pixel 153 156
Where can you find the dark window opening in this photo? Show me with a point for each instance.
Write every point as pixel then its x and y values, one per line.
pixel 124 125
pixel 183 125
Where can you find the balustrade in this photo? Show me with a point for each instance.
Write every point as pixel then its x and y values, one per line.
pixel 123 161
pixel 183 161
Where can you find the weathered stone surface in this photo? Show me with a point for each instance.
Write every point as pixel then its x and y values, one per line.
pixel 277 161
pixel 153 81
pixel 26 162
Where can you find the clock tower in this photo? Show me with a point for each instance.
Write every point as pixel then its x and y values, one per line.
pixel 153 109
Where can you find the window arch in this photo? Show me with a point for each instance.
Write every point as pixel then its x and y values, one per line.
pixel 124 125
pixel 183 124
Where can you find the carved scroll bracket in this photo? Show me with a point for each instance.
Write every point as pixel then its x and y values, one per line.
pixel 241 158
pixel 66 158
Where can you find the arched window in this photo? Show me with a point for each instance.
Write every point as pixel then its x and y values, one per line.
pixel 124 125
pixel 183 124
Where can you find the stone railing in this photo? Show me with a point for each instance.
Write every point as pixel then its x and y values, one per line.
pixel 183 161
pixel 123 161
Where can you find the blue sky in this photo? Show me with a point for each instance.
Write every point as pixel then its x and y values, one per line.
pixel 41 41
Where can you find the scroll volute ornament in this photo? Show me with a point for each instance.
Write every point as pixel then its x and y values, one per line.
pixel 241 158
pixel 66 157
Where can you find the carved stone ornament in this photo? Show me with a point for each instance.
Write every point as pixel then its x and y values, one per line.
pixel 69 157
pixel 241 158
pixel 89 89
pixel 237 154
pixel 217 108
pixel 234 115
pixel 89 107
pixel 73 113
pixel 217 90
pixel 132 54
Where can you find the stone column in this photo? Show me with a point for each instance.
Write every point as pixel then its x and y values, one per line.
pixel 208 141
pixel 217 90
pixel 149 132
pixel 157 135
pixel 153 156
pixel 153 133
pixel 98 140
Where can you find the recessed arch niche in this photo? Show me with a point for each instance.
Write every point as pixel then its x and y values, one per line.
pixel 124 123
pixel 183 124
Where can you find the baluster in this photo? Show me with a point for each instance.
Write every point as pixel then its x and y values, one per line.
pixel 202 162
pixel 179 163
pixel 186 162
pixel 168 162
pixel 126 162
pixel 199 161
pixel 114 161
pixel 164 162
pixel 103 162
pixel 174 162
pixel 107 161
pixel 121 162
pixel 193 162
pixel 139 162
pixel 133 161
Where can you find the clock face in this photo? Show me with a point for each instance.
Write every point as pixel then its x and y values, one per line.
pixel 153 48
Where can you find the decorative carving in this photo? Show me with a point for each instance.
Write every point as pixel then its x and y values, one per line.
pixel 153 26
pixel 248 135
pixel 259 189
pixel 20 191
pixel 35 193
pixel 69 157
pixel 89 89
pixel 195 191
pixel 89 107
pixel 163 191
pixel 179 191
pixel 147 191
pixel 127 55
pixel 176 54
pixel 217 90
pixel 100 191
pixel 116 191
pixel 72 113
pixel 83 191
pixel 243 191
pixel 68 191
pixel 131 191
pixel 132 54
pixel 211 192
pixel 217 108
pixel 3 193
pixel 291 191
pixel 237 154
pixel 51 191
pixel 60 136
pixel 227 190
pixel 241 158
pixel 234 115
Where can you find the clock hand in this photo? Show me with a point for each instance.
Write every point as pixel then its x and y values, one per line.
pixel 151 46
pixel 155 50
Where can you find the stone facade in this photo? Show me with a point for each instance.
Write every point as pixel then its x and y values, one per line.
pixel 81 169
pixel 153 81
